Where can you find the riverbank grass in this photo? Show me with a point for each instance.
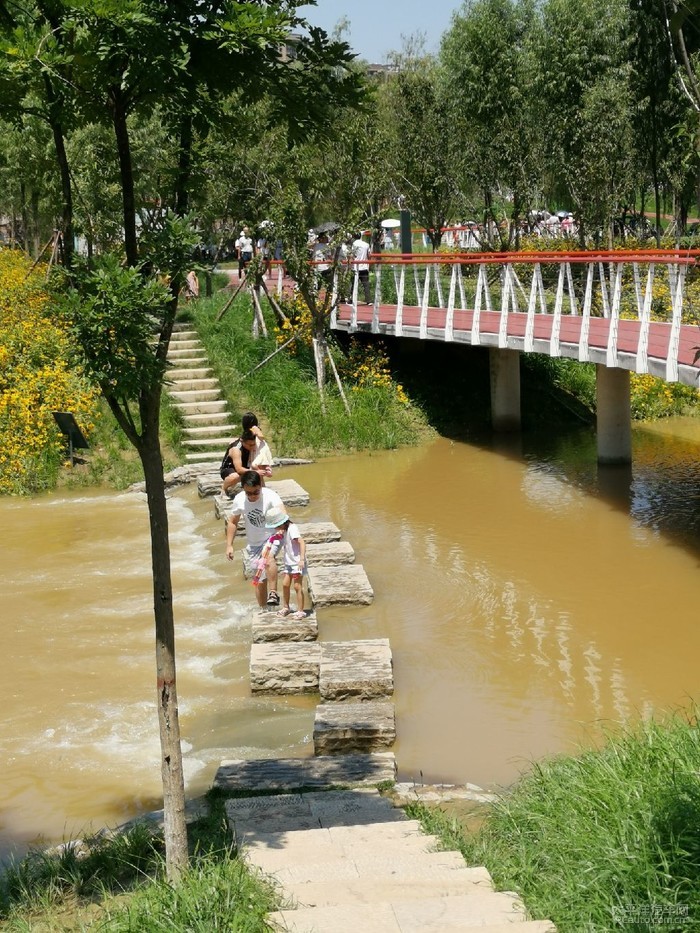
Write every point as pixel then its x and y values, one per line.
pixel 283 391
pixel 605 840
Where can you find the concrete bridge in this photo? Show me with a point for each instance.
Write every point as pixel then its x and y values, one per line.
pixel 625 311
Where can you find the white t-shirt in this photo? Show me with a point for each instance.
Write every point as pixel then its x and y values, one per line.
pixel 245 243
pixel 290 544
pixel 253 512
pixel 360 252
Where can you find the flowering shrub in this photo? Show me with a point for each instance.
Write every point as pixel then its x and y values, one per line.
pixel 363 367
pixel 38 375
pixel 655 398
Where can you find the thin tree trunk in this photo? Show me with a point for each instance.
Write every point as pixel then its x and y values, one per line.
pixel 184 167
pixel 319 348
pixel 64 171
pixel 126 175
pixel 175 827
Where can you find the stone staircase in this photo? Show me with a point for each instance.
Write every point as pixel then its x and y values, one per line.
pixel 196 393
pixel 348 861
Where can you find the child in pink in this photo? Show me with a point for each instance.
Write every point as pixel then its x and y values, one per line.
pixel 285 535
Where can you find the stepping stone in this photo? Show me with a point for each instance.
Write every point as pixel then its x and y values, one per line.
pixel 340 586
pixel 289 773
pixel 330 554
pixel 318 532
pixel 352 726
pixel 268 626
pixel 289 491
pixel 284 669
pixel 369 890
pixel 358 669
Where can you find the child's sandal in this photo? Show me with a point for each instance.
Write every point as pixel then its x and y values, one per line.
pixel 299 615
pixel 284 612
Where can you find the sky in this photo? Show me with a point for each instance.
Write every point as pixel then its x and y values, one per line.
pixel 376 26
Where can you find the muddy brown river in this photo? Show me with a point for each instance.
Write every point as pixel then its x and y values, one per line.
pixel 530 599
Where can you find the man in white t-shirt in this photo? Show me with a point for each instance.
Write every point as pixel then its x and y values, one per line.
pixel 252 503
pixel 360 253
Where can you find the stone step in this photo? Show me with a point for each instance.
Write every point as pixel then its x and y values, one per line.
pixel 183 333
pixel 366 865
pixel 203 457
pixel 285 812
pixel 290 773
pixel 268 626
pixel 289 491
pixel 187 344
pixel 367 890
pixel 213 443
pixel 356 669
pixel 199 395
pixel 186 359
pixel 318 532
pixel 340 586
pixel 329 554
pixel 425 915
pixel 287 668
pixel 204 372
pixel 212 420
pixel 193 409
pixel 174 382
pixel 209 430
pixel 354 726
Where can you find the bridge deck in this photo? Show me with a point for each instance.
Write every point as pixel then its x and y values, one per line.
pixel 570 329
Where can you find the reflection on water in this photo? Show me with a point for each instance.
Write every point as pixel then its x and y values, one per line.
pixel 527 595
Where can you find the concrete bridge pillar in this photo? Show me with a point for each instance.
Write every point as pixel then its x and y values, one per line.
pixel 614 415
pixel 505 389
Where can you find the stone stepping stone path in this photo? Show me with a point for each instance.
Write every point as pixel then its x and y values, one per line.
pixel 348 861
pixel 340 586
pixel 287 668
pixel 268 626
pixel 354 726
pixel 292 773
pixel 196 393
pixel 289 491
pixel 360 670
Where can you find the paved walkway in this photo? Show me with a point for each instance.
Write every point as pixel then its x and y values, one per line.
pixel 350 862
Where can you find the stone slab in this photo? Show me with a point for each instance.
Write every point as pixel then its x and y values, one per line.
pixel 425 865
pixel 289 491
pixel 354 726
pixel 346 585
pixel 320 771
pixel 318 532
pixel 367 890
pixel 330 554
pixel 268 626
pixel 361 670
pixel 284 668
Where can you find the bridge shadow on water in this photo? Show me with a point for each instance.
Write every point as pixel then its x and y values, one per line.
pixel 660 490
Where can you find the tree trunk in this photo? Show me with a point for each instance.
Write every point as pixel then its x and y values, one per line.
pixel 64 171
pixel 184 167
pixel 175 827
pixel 126 175
pixel 319 348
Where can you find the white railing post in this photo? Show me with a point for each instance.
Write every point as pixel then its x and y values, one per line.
pixel 419 293
pixel 398 323
pixel 583 350
pixel 423 329
pixel 460 280
pixel 604 290
pixel 611 358
pixel 475 337
pixel 507 289
pixel 438 285
pixel 676 321
pixel 570 286
pixel 449 317
pixel 377 298
pixel 536 290
pixel 642 361
pixel 280 279
pixel 554 346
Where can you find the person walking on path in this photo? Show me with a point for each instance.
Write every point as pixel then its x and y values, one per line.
pixel 252 504
pixel 286 537
pixel 360 253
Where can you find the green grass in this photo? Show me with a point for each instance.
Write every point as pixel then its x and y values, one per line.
pixel 284 393
pixel 611 833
